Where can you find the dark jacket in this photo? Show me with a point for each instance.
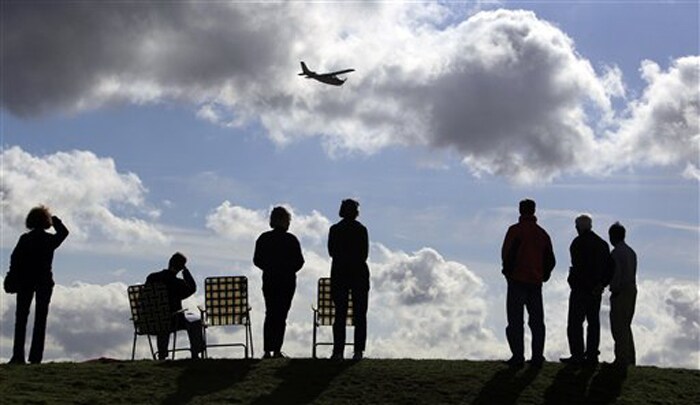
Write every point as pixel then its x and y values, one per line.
pixel 591 264
pixel 278 255
pixel 348 246
pixel 178 288
pixel 32 258
pixel 527 252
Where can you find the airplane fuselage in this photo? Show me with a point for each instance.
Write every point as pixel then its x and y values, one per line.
pixel 327 78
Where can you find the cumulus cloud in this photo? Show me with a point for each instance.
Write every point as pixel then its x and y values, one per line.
pixel 240 223
pixel 421 306
pixel 505 89
pixel 85 190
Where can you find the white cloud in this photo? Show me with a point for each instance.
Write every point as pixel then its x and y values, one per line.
pixel 662 127
pixel 421 306
pixel 505 89
pixel 240 223
pixel 86 191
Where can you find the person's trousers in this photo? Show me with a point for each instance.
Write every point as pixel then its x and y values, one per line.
pixel 584 306
pixel 360 296
pixel 24 301
pixel 522 296
pixel 194 333
pixel 278 300
pixel 622 306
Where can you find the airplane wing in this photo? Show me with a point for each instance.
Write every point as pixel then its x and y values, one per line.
pixel 340 72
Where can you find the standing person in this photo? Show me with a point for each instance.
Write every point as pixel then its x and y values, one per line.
pixel 31 261
pixel 588 275
pixel 348 246
pixel 278 255
pixel 528 261
pixel 623 296
pixel 178 289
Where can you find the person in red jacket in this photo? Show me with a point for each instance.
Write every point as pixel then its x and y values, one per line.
pixel 528 261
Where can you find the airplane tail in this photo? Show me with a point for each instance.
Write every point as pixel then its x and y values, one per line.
pixel 304 70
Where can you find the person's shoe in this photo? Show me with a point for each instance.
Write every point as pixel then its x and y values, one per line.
pixel 337 357
pixel 357 356
pixel 536 363
pixel 591 361
pixel 515 362
pixel 15 361
pixel 279 355
pixel 267 355
pixel 572 360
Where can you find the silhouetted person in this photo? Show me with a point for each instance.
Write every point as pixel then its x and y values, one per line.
pixel 528 261
pixel 31 260
pixel 278 255
pixel 588 275
pixel 623 296
pixel 178 290
pixel 348 246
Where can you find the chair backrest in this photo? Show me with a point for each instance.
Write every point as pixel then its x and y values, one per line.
pixel 326 308
pixel 226 300
pixel 150 309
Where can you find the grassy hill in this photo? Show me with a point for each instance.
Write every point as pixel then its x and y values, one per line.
pixel 371 381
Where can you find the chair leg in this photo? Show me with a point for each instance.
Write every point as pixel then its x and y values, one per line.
pixel 249 332
pixel 174 344
pixel 133 348
pixel 205 354
pixel 313 343
pixel 150 344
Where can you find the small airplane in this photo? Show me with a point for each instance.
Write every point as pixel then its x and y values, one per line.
pixel 328 78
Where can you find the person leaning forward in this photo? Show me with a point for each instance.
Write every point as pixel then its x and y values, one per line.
pixel 178 289
pixel 528 261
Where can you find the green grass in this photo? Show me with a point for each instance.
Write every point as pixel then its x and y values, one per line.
pixel 371 381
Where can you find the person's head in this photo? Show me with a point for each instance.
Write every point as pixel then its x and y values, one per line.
pixel 617 233
pixel 527 207
pixel 280 218
pixel 38 218
pixel 349 209
pixel 584 223
pixel 177 262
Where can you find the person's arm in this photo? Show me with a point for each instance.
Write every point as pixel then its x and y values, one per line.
pixel 331 242
pixel 616 273
pixel 297 256
pixel 259 256
pixel 61 231
pixel 549 260
pixel 509 252
pixel 18 256
pixel 189 285
pixel 364 245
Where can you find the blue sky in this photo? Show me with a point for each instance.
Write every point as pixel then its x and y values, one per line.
pixel 154 128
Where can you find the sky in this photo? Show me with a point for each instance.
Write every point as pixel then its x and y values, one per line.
pixel 151 128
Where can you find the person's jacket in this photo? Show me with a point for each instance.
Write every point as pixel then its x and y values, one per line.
pixel 32 257
pixel 527 252
pixel 348 246
pixel 178 288
pixel 278 255
pixel 591 264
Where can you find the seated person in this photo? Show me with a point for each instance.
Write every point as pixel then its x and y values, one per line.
pixel 178 290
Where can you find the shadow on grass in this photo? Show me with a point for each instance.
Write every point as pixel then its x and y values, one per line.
pixel 569 385
pixel 506 386
pixel 607 385
pixel 303 380
pixel 199 378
